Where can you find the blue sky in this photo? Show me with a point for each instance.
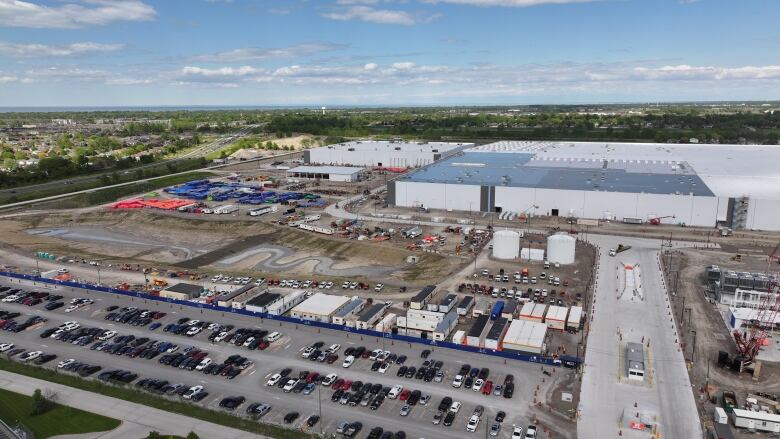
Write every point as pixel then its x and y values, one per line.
pixel 385 52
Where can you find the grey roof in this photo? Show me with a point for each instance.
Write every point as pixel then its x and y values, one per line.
pixel 446 322
pixel 400 145
pixel 264 299
pixel 635 356
pixel 356 302
pixel 191 290
pixel 228 295
pixel 525 169
pixel 424 294
pixel 448 300
pixel 371 312
pixel 497 330
pixel 335 170
pixel 479 326
pixel 465 302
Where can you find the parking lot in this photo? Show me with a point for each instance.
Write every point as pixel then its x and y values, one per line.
pixel 284 353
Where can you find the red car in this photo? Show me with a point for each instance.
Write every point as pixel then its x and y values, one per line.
pixel 263 345
pixel 487 388
pixel 365 354
pixel 346 385
pixel 311 376
pixel 404 394
pixel 337 384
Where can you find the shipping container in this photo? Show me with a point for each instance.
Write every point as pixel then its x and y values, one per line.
pixel 496 311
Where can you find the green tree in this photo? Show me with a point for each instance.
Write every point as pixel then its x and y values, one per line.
pixel 154 435
pixel 40 404
pixel 192 435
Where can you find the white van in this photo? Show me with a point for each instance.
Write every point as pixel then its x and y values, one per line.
pixel 272 337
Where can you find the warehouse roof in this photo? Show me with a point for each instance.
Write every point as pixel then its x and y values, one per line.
pixel 556 313
pixel 397 145
pixel 424 294
pixel 479 326
pixel 371 312
pixel 526 169
pixel 335 170
pixel 446 322
pixel 355 303
pixel 497 329
pixel 525 333
pixel 264 299
pixel 321 304
pixel 728 170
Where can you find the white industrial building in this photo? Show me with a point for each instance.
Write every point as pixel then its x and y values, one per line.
pixel 331 173
pixel 425 324
pixel 740 318
pixel 382 153
pixel 699 185
pixel 320 307
pixel 344 315
pixel 756 421
pixel 525 336
pixel 387 323
pixel 286 303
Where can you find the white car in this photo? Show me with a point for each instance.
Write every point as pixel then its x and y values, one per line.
pixel 72 308
pixel 517 432
pixel 213 327
pixel 478 383
pixel 379 287
pixel 395 391
pixel 334 348
pixel 329 379
pixel 11 298
pixel 375 354
pixel 471 426
pixel 348 361
pixel 31 355
pixel 383 368
pixel 6 347
pixel 69 326
pixel 106 335
pixel 193 331
pixel 457 382
pixel 64 363
pixel 248 341
pixel 289 386
pixel 272 337
pixel 203 364
pixel 192 391
pixel 222 335
pixel 531 432
pixel 455 407
pixel 307 352
pixel 274 380
pixel 56 333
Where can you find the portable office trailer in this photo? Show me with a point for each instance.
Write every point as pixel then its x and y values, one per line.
pixel 369 316
pixel 496 334
pixel 465 305
pixel 286 303
pixel 445 326
pixel 510 307
pixel 262 211
pixel 481 307
pixel 320 307
pixel 226 209
pixel 527 310
pixel 387 323
pixel 574 321
pixel 474 337
pixel 258 303
pixel 556 317
pixel 422 298
pixel 447 303
pixel 226 299
pixel 759 421
pixel 459 337
pixel 350 309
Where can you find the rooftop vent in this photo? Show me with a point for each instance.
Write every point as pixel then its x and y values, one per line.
pixel 350 149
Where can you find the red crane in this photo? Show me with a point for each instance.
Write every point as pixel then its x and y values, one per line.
pixel 657 220
pixel 750 342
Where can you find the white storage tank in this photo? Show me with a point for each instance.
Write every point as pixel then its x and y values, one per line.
pixel 506 244
pixel 560 248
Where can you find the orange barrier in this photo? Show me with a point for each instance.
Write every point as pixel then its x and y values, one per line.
pixel 138 203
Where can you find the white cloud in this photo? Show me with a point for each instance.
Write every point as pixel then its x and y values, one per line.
pixel 403 65
pixel 370 66
pixel 4 79
pixel 372 15
pixel 510 3
pixel 31 50
pixel 128 81
pixel 73 14
pixel 63 74
pixel 257 54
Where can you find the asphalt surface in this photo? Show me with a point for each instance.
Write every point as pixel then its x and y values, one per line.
pixel 665 397
pixel 286 353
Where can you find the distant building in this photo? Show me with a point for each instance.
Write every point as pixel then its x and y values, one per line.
pixel 382 153
pixel 182 291
pixel 331 173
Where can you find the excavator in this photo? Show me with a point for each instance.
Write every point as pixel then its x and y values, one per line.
pixel 657 220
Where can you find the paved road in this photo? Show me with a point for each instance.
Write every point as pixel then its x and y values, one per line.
pixel 137 420
pixel 286 354
pixel 666 397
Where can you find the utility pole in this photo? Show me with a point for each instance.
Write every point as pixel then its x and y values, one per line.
pixel 693 347
pixel 682 311
pixel 319 400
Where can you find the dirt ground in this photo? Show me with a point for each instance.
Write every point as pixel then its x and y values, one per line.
pixel 712 335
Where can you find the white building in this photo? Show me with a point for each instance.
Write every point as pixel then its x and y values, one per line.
pixel 740 318
pixel 285 303
pixel 382 153
pixel 525 336
pixel 331 173
pixel 635 362
pixel 759 421
pixel 699 185
pixel 320 307
pixel 420 323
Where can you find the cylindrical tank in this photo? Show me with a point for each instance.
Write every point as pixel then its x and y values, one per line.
pixel 561 248
pixel 506 244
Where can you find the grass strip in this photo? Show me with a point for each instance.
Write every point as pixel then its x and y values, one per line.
pixel 127 393
pixel 15 407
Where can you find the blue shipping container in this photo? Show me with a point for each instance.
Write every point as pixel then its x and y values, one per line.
pixel 497 308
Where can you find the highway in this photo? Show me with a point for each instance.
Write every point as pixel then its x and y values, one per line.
pixel 285 353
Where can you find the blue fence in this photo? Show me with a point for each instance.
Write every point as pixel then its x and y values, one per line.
pixel 368 332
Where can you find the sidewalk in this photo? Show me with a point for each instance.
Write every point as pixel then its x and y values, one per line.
pixel 137 420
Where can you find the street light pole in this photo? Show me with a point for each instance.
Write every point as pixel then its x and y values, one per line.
pixel 693 347
pixel 319 401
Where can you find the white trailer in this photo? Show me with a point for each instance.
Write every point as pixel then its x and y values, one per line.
pixel 574 321
pixel 459 337
pixel 226 209
pixel 262 210
pixel 387 323
pixel 317 229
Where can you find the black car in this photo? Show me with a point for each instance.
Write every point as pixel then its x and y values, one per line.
pixel 445 403
pixel 449 419
pixel 425 353
pixel 500 416
pixel 336 395
pixel 312 421
pixel 483 373
pixel 410 372
pixel 375 433
pixel 467 383
pixel 375 366
pixel 231 402
pixel 401 371
pixel 414 397
pixel 509 390
pixel 199 396
pixel 289 418
pixel 401 359
pixel 421 373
